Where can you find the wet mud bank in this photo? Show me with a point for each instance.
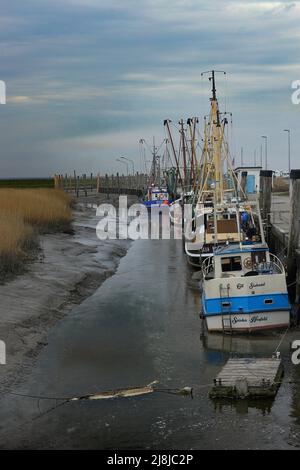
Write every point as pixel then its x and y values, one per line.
pixel 69 269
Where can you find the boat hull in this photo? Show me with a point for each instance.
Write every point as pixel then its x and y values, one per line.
pixel 248 322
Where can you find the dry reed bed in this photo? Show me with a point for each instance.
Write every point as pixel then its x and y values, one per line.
pixel 23 214
pixel 280 184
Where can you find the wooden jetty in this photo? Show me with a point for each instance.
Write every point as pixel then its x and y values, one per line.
pixel 248 377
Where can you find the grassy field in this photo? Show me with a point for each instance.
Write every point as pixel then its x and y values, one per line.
pixel 25 213
pixel 27 183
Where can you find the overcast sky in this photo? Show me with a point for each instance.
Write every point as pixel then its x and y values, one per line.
pixel 86 79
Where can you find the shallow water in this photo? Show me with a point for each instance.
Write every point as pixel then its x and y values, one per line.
pixel 143 325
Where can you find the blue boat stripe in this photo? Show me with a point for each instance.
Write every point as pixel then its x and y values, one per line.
pixel 246 304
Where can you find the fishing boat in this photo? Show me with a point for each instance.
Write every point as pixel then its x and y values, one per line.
pixel 161 180
pixel 244 289
pixel 156 197
pixel 219 199
pixel 243 285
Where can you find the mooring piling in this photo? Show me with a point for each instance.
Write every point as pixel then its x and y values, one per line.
pixel 294 226
pixel 265 194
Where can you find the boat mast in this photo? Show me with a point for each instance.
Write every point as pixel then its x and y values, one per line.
pixel 178 174
pixel 191 122
pixel 216 142
pixel 183 153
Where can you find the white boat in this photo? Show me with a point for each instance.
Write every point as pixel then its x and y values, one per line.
pixel 215 189
pixel 244 289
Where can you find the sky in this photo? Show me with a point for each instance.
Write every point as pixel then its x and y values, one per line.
pixel 87 79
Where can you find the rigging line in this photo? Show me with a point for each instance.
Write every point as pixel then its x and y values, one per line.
pixel 281 340
pixel 226 91
pixel 158 148
pixel 38 397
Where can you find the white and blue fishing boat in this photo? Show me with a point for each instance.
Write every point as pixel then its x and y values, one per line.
pixel 244 285
pixel 244 289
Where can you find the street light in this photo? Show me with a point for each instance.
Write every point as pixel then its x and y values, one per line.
pixel 289 147
pixel 266 150
pixel 122 161
pixel 131 161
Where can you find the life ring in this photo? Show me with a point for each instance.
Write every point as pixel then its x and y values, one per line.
pixel 248 263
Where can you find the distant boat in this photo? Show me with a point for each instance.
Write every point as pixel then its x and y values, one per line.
pixel 156 197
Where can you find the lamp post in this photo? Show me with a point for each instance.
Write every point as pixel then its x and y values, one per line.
pixel 131 161
pixel 289 147
pixel 266 150
pixel 122 161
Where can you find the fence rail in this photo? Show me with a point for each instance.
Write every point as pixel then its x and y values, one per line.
pixel 114 184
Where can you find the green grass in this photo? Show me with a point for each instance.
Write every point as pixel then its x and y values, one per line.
pixel 27 183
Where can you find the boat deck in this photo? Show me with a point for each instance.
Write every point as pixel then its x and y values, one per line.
pixel 248 377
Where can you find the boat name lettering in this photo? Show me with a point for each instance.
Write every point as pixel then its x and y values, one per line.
pixel 240 286
pixel 238 320
pixel 256 318
pixel 252 285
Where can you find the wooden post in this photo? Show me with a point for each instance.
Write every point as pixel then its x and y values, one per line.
pixel 84 184
pixel 98 184
pixel 294 229
pixel 91 182
pixel 265 192
pixel 113 183
pixel 106 186
pixel 75 182
pixel 77 186
pixel 118 183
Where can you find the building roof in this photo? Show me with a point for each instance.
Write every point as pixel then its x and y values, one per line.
pixel 241 168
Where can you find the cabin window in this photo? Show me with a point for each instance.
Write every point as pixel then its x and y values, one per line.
pixel 226 304
pixel 268 301
pixel 233 263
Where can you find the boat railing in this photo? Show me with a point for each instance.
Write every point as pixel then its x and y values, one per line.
pixel 208 266
pixel 274 266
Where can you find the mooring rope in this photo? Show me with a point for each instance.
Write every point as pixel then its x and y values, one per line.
pixel 281 340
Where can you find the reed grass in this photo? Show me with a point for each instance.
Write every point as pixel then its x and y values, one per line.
pixel 24 213
pixel 280 184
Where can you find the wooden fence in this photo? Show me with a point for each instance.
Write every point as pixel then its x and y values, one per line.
pixel 114 184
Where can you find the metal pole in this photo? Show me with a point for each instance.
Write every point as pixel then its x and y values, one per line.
pixel 131 161
pixel 289 147
pixel 122 161
pixel 266 151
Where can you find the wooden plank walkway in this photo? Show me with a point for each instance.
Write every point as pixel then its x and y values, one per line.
pixel 248 377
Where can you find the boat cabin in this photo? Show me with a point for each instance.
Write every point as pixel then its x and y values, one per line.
pixel 242 260
pixel 230 225
pixel 161 195
pixel 156 194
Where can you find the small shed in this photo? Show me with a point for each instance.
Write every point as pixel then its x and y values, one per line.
pixel 252 175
